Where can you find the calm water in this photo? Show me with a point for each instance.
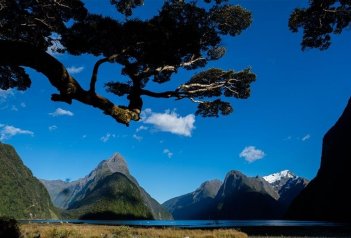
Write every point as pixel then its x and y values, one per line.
pixel 197 223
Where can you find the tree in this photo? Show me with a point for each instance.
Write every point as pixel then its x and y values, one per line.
pixel 319 20
pixel 183 35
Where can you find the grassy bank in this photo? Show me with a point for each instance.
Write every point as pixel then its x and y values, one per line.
pixel 98 231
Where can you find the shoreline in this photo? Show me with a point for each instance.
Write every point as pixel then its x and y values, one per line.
pixel 88 230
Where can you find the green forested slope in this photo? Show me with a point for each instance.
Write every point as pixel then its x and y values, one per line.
pixel 114 197
pixel 22 196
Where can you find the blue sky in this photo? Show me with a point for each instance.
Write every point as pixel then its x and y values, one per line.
pixel 297 97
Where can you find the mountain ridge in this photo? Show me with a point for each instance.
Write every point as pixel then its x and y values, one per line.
pixel 68 195
pixel 239 195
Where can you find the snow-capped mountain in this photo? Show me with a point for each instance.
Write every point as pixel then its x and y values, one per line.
pixel 286 184
pixel 285 174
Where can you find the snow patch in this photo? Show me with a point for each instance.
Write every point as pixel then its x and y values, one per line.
pixel 272 178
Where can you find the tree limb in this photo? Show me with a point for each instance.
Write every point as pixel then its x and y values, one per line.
pixel 187 90
pixel 96 69
pixel 173 68
pixel 24 54
pixel 166 94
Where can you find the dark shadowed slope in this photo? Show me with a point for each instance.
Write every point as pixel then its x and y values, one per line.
pixel 195 205
pixel 287 185
pixel 327 196
pixel 242 197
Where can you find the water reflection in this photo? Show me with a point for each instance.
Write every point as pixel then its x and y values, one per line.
pixel 196 223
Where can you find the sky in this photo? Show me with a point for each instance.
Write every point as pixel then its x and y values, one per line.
pixel 297 97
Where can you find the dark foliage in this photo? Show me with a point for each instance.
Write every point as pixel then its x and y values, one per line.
pixel 320 20
pixel 14 77
pixel 183 35
pixel 9 228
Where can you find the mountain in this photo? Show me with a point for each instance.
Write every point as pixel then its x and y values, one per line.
pixel 327 197
pixel 107 192
pixel 239 197
pixel 242 197
pixel 22 196
pixel 278 180
pixel 194 205
pixel 287 185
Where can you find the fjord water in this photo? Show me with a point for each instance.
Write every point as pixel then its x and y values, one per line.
pixel 197 223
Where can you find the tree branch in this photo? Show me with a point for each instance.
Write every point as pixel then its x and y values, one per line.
pixel 24 54
pixel 166 94
pixel 173 68
pixel 337 11
pixel 187 90
pixel 96 69
pixel 199 87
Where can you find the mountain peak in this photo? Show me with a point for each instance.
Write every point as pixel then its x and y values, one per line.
pixel 117 164
pixel 207 189
pixel 272 178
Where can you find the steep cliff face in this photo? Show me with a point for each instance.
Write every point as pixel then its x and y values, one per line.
pixel 22 196
pixel 195 205
pixel 242 197
pixel 327 196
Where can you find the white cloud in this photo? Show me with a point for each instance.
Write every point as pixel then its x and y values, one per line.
pixel 75 70
pixel 251 154
pixel 61 112
pixel 52 128
pixel 168 153
pixel 23 104
pixel 306 137
pixel 138 138
pixel 141 128
pixel 170 122
pixel 6 132
pixel 107 137
pixel 4 94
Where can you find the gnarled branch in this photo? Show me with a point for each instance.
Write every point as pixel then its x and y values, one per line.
pixel 96 69
pixel 24 54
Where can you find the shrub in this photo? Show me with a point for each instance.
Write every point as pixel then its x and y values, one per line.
pixel 9 228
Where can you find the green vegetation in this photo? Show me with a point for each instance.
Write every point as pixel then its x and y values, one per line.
pixel 22 196
pixel 94 231
pixel 113 197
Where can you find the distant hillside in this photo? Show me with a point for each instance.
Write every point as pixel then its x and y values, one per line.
pixel 239 197
pixel 195 205
pixel 22 196
pixel 108 192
